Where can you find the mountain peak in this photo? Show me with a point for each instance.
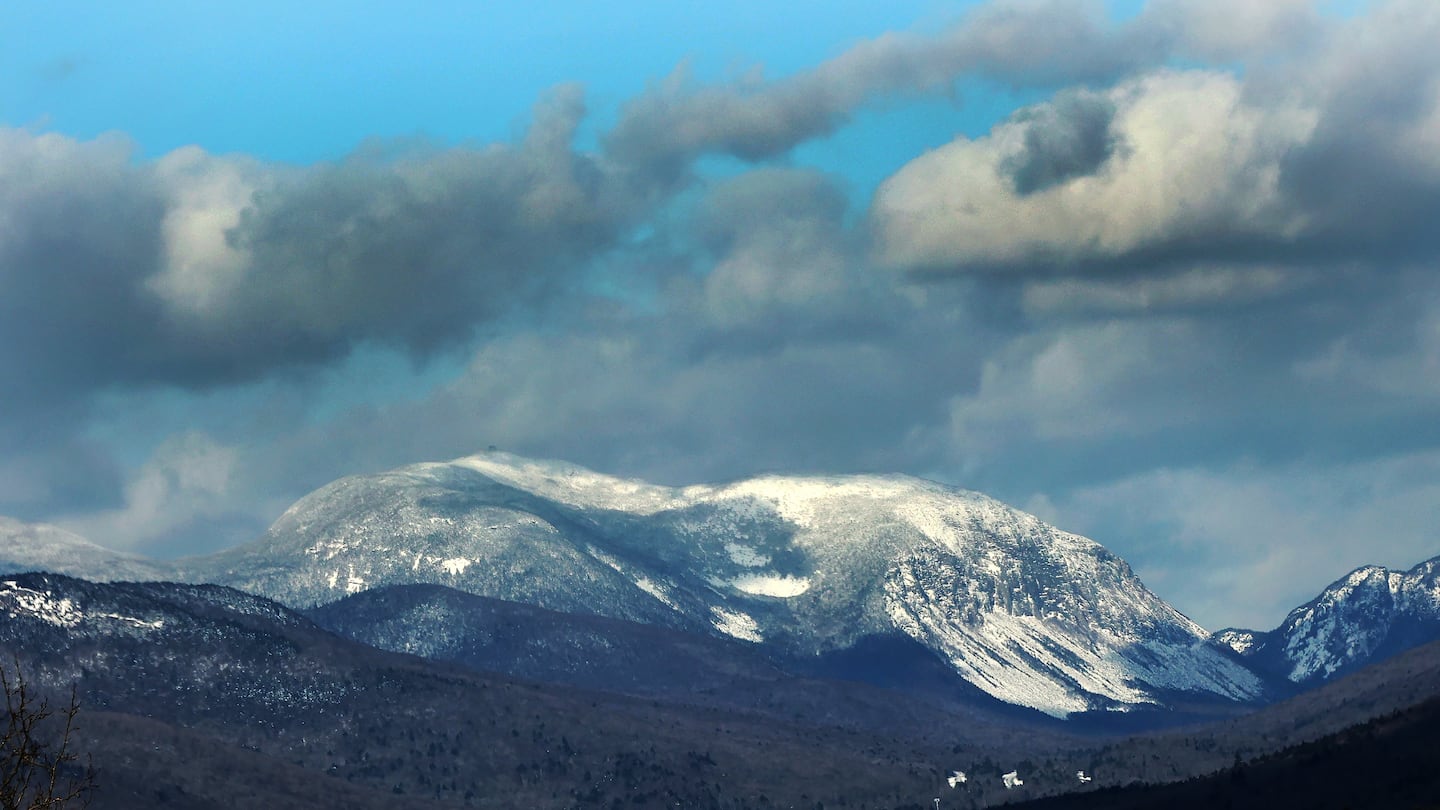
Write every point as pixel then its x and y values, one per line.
pixel 1025 612
pixel 1361 618
pixel 43 547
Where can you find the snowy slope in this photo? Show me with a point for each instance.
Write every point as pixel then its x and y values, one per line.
pixel 1364 617
pixel 41 547
pixel 1025 612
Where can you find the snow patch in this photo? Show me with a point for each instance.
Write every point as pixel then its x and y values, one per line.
pixel 455 566
pixel 131 620
pixel 605 558
pixel 1238 640
pixel 656 591
pixel 736 624
pixel 778 585
pixel 747 556
pixel 41 605
pixel 798 500
pixel 571 484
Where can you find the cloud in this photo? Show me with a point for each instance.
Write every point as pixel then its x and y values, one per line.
pixel 1320 155
pixel 1068 138
pixel 664 130
pixel 1092 381
pixel 198 270
pixel 1196 170
pixel 636 398
pixel 1234 30
pixel 1242 545
pixel 1197 287
pixel 1369 176
pixel 68 474
pixel 1016 43
pixel 186 482
pixel 1394 355
pixel 1081 397
pixel 783 259
pixel 80 229
pixel 413 249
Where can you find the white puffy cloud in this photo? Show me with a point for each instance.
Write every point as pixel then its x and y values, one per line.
pixel 1192 162
pixel 203 269
pixel 1313 156
pixel 189 479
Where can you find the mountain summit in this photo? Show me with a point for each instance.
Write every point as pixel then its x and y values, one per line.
pixel 1368 615
pixel 1024 612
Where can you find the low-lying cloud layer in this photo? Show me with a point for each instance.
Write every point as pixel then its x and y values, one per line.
pixel 1203 267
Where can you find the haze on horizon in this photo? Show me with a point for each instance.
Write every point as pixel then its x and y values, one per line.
pixel 1162 273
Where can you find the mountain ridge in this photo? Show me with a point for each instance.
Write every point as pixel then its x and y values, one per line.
pixel 808 565
pixel 201 668
pixel 1368 615
pixel 1027 613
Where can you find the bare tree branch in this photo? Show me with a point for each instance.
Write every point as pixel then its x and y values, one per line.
pixel 39 767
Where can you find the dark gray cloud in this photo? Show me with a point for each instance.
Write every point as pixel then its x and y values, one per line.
pixel 61 476
pixel 784 266
pixel 1016 43
pixel 663 131
pixel 1367 176
pixel 81 227
pixel 1068 138
pixel 196 270
pixel 414 248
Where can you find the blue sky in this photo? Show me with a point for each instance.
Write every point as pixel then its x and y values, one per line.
pixel 1162 273
pixel 307 82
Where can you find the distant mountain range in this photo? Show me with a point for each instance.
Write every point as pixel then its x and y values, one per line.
pixel 201 696
pixel 40 547
pixel 208 679
pixel 768 574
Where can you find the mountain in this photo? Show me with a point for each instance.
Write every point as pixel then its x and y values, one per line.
pixel 525 641
pixel 808 566
pixel 613 655
pixel 1364 740
pixel 203 696
pixel 42 547
pixel 1367 616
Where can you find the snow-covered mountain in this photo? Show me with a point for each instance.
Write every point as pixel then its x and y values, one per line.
pixel 42 547
pixel 1364 617
pixel 1027 613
